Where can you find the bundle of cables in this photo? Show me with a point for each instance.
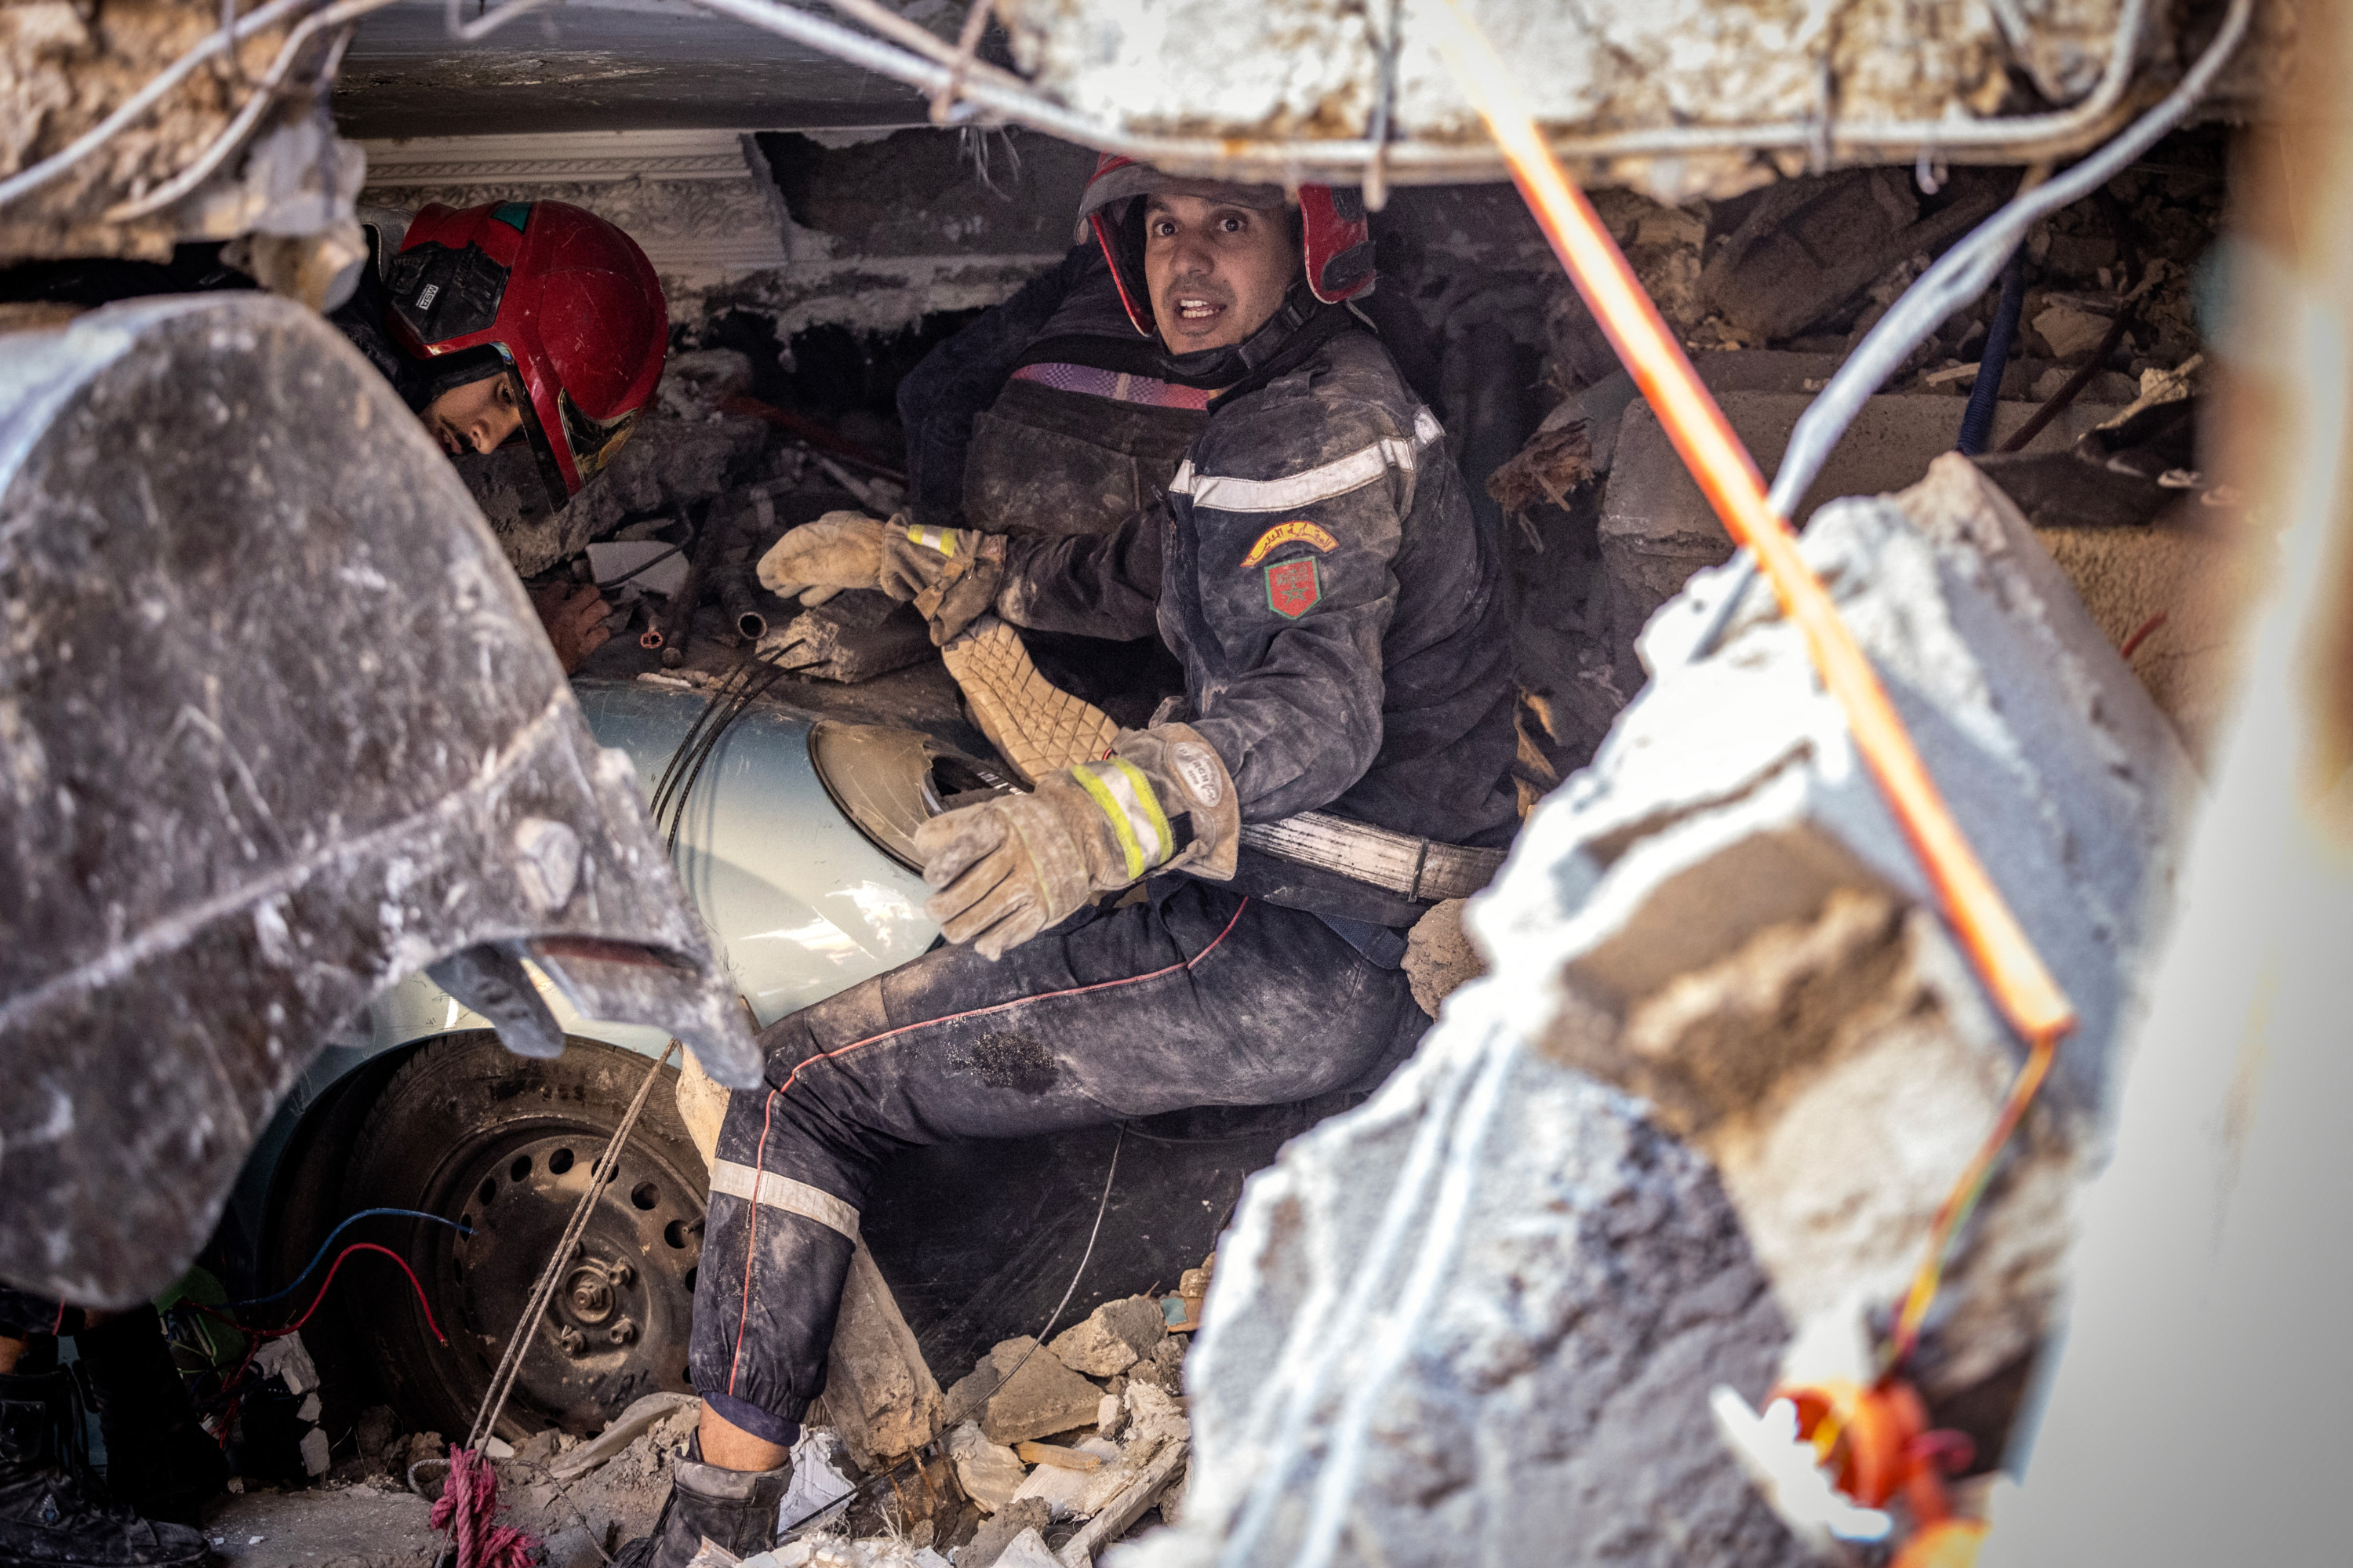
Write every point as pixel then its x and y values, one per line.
pixel 221 1403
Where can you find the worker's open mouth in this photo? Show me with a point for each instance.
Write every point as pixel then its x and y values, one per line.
pixel 1198 308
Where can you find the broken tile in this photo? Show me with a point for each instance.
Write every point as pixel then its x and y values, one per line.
pixel 1114 1335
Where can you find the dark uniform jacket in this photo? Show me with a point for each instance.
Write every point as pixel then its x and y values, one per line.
pixel 1317 569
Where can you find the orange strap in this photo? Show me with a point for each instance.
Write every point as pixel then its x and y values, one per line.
pixel 2004 959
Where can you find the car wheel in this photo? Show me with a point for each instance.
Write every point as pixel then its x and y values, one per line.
pixel 505 1145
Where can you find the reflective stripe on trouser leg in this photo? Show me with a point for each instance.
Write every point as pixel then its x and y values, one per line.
pixel 768 1284
pixel 1192 996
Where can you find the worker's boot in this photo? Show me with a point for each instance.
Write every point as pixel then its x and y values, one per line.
pixel 52 1512
pixel 159 1463
pixel 735 1508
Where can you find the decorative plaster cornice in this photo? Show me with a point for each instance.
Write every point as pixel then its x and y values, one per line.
pixel 594 157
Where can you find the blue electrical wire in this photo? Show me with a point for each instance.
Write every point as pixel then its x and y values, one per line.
pixel 1977 421
pixel 294 1283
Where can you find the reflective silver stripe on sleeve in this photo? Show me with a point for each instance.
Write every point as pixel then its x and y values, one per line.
pixel 782 1193
pixel 1309 486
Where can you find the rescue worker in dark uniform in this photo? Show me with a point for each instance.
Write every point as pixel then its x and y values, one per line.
pixel 1335 761
pixel 537 321
pixel 1055 412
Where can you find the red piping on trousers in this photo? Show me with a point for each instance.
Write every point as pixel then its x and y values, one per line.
pixel 760 1158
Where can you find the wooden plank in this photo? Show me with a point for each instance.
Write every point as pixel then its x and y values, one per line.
pixel 1036 1453
pixel 1127 1507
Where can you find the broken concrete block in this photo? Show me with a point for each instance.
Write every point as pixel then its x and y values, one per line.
pixel 703 1105
pixel 1552 1404
pixel 1759 955
pixel 852 637
pixel 1111 1415
pixel 1044 1397
pixel 1810 247
pixel 879 1391
pixel 1719 912
pixel 1114 1335
pixel 989 1472
pixel 996 1531
pixel 1153 1416
pixel 285 1358
pixel 2071 330
pixel 1028 1550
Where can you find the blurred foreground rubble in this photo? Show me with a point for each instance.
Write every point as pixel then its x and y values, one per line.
pixel 1481 1315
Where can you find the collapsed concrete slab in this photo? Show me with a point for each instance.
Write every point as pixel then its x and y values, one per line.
pixel 1478 1318
pixel 1657 529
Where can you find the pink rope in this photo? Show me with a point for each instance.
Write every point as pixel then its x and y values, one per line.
pixel 468 1500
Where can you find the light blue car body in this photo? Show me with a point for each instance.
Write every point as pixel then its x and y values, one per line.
pixel 799 902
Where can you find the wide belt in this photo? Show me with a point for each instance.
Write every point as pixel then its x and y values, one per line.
pixel 1419 869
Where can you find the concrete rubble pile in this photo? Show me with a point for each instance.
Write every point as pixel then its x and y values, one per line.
pixel 1769 292
pixel 1085 1439
pixel 1727 1065
pixel 277 182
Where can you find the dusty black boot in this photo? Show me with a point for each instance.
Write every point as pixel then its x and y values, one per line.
pixel 52 1515
pixel 159 1463
pixel 737 1509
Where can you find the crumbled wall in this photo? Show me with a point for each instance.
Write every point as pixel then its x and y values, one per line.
pixel 63 68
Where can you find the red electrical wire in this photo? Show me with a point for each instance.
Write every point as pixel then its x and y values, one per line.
pixel 423 1305
pixel 2137 638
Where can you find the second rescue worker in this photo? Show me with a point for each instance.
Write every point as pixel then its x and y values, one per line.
pixel 1317 570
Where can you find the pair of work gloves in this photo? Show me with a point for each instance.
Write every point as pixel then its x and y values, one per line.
pixel 1154 799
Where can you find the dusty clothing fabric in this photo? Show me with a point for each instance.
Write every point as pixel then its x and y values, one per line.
pixel 1196 996
pixel 24 1314
pixel 1338 611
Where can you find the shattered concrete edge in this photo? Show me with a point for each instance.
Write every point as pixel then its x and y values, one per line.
pixel 1501 1290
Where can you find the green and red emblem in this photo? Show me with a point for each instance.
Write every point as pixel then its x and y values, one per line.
pixel 1292 587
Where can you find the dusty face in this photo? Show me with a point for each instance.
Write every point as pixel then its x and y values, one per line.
pixel 476 417
pixel 1217 269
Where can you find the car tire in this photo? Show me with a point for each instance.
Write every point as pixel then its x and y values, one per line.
pixel 505 1145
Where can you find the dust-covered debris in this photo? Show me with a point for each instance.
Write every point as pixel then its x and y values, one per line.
pixel 1112 1337
pixel 1311 67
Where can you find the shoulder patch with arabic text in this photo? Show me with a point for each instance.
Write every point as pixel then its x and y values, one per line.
pixel 1284 533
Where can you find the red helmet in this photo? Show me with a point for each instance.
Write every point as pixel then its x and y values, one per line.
pixel 1336 241
pixel 559 295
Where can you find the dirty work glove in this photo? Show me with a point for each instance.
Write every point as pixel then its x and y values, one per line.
pixel 950 575
pixel 817 560
pixel 1006 869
